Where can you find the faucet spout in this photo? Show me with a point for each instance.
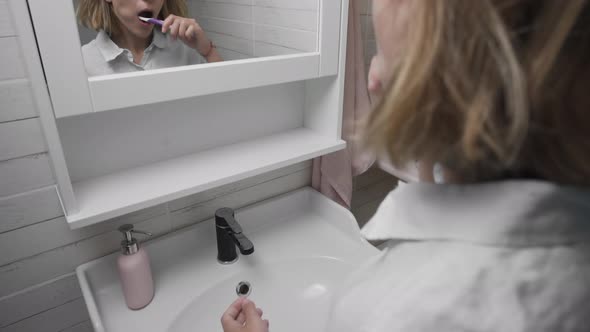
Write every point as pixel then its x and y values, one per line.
pixel 229 235
pixel 243 243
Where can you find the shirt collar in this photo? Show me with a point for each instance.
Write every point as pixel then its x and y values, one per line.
pixel 110 51
pixel 507 213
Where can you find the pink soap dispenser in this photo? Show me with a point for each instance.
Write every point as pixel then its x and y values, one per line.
pixel 134 270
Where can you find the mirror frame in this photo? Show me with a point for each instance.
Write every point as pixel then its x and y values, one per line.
pixel 74 93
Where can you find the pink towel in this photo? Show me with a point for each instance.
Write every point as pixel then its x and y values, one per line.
pixel 333 173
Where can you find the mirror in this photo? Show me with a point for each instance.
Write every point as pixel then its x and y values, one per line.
pixel 237 29
pixel 279 54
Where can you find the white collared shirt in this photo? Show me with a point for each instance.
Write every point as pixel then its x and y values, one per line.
pixel 510 256
pixel 102 56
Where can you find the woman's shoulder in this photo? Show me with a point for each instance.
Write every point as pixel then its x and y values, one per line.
pixel 92 51
pixel 96 54
pixel 441 286
pixel 93 59
pixel 541 289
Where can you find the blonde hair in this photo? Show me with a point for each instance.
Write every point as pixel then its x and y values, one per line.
pixel 492 89
pixel 99 14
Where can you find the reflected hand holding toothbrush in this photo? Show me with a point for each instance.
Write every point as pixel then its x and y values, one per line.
pixel 185 29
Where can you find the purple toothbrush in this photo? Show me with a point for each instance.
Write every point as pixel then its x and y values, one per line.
pixel 151 20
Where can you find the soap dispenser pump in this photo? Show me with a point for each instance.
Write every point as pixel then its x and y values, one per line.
pixel 134 270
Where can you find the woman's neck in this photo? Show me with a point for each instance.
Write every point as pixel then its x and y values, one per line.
pixel 136 45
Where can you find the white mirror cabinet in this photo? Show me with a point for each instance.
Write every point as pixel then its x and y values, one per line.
pixel 135 140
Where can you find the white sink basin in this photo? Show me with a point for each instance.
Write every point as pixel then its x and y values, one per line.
pixel 303 287
pixel 305 245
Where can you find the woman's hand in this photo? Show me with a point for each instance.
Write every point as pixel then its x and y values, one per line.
pixel 243 316
pixel 189 31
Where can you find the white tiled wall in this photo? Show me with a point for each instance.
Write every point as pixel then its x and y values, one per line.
pixel 256 28
pixel 38 252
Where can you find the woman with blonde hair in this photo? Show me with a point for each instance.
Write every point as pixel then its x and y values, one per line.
pixel 126 44
pixel 496 92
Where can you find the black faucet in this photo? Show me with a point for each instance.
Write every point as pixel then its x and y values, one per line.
pixel 229 235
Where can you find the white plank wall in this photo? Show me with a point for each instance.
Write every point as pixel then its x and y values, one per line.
pixel 55 319
pixel 38 252
pixel 85 326
pixel 16 99
pixel 16 211
pixel 6 26
pixel 12 66
pixel 257 28
pixel 24 174
pixel 37 299
pixel 21 138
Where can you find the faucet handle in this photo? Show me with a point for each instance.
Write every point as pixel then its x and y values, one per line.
pixel 225 218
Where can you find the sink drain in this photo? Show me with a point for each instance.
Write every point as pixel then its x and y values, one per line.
pixel 243 288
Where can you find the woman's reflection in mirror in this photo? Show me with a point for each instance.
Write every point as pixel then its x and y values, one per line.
pixel 125 43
